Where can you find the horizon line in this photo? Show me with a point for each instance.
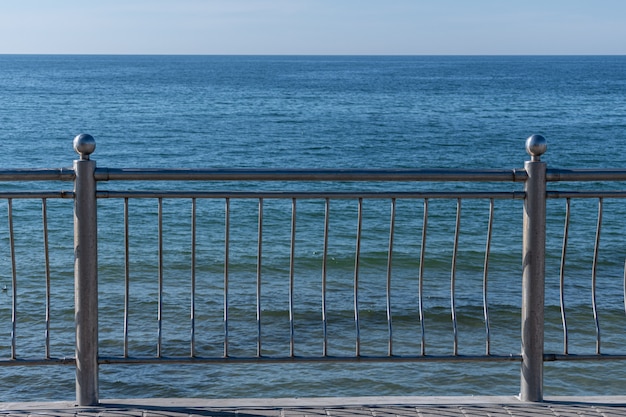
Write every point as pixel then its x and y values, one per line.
pixel 313 55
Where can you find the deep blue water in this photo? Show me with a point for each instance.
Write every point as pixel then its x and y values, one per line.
pixel 312 111
pixel 307 112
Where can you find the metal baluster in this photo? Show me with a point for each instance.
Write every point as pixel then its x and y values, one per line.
pixel 292 257
pixel 596 249
pixel 486 281
pixel 324 275
pixel 226 261
pixel 357 259
pixel 420 294
pixel 455 350
pixel 258 278
pixel 392 223
pixel 13 280
pixel 44 216
pixel 126 276
pixel 160 294
pixel 193 278
pixel 562 276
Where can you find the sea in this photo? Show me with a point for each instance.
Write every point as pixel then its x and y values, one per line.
pixel 311 112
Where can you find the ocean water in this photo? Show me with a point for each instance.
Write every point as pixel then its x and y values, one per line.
pixel 311 112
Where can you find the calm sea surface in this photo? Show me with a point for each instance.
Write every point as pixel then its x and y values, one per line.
pixel 311 112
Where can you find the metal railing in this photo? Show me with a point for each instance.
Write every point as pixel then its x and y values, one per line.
pixel 86 195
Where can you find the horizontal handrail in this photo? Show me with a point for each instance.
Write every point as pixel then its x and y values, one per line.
pixel 245 174
pixel 356 174
pixel 591 174
pixel 35 174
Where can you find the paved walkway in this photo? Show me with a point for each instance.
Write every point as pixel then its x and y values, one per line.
pixel 330 407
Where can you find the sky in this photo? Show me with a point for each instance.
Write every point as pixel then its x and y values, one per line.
pixel 363 27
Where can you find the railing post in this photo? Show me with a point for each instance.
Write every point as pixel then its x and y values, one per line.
pixel 86 272
pixel 533 272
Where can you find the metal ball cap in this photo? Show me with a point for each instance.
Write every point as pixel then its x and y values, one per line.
pixel 536 145
pixel 84 145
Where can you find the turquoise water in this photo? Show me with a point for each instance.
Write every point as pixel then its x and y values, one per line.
pixel 296 112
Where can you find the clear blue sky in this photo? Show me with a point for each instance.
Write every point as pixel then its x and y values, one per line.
pixel 313 26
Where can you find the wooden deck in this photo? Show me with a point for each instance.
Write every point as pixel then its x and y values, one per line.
pixel 330 407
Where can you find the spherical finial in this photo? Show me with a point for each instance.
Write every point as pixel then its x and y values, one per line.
pixel 84 145
pixel 536 145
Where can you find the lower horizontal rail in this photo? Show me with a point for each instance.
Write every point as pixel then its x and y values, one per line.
pixel 37 194
pixel 303 359
pixel 587 194
pixel 505 195
pixel 104 360
pixel 37 362
pixel 551 357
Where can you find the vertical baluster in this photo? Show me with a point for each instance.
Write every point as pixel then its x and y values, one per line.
pixel 258 278
pixel 226 277
pixel 562 276
pixel 392 223
pixel 596 249
pixel 193 278
pixel 455 350
pixel 160 277
pixel 357 260
pixel 126 276
pixel 324 275
pixel 420 293
pixel 486 281
pixel 44 217
pixel 291 277
pixel 13 281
